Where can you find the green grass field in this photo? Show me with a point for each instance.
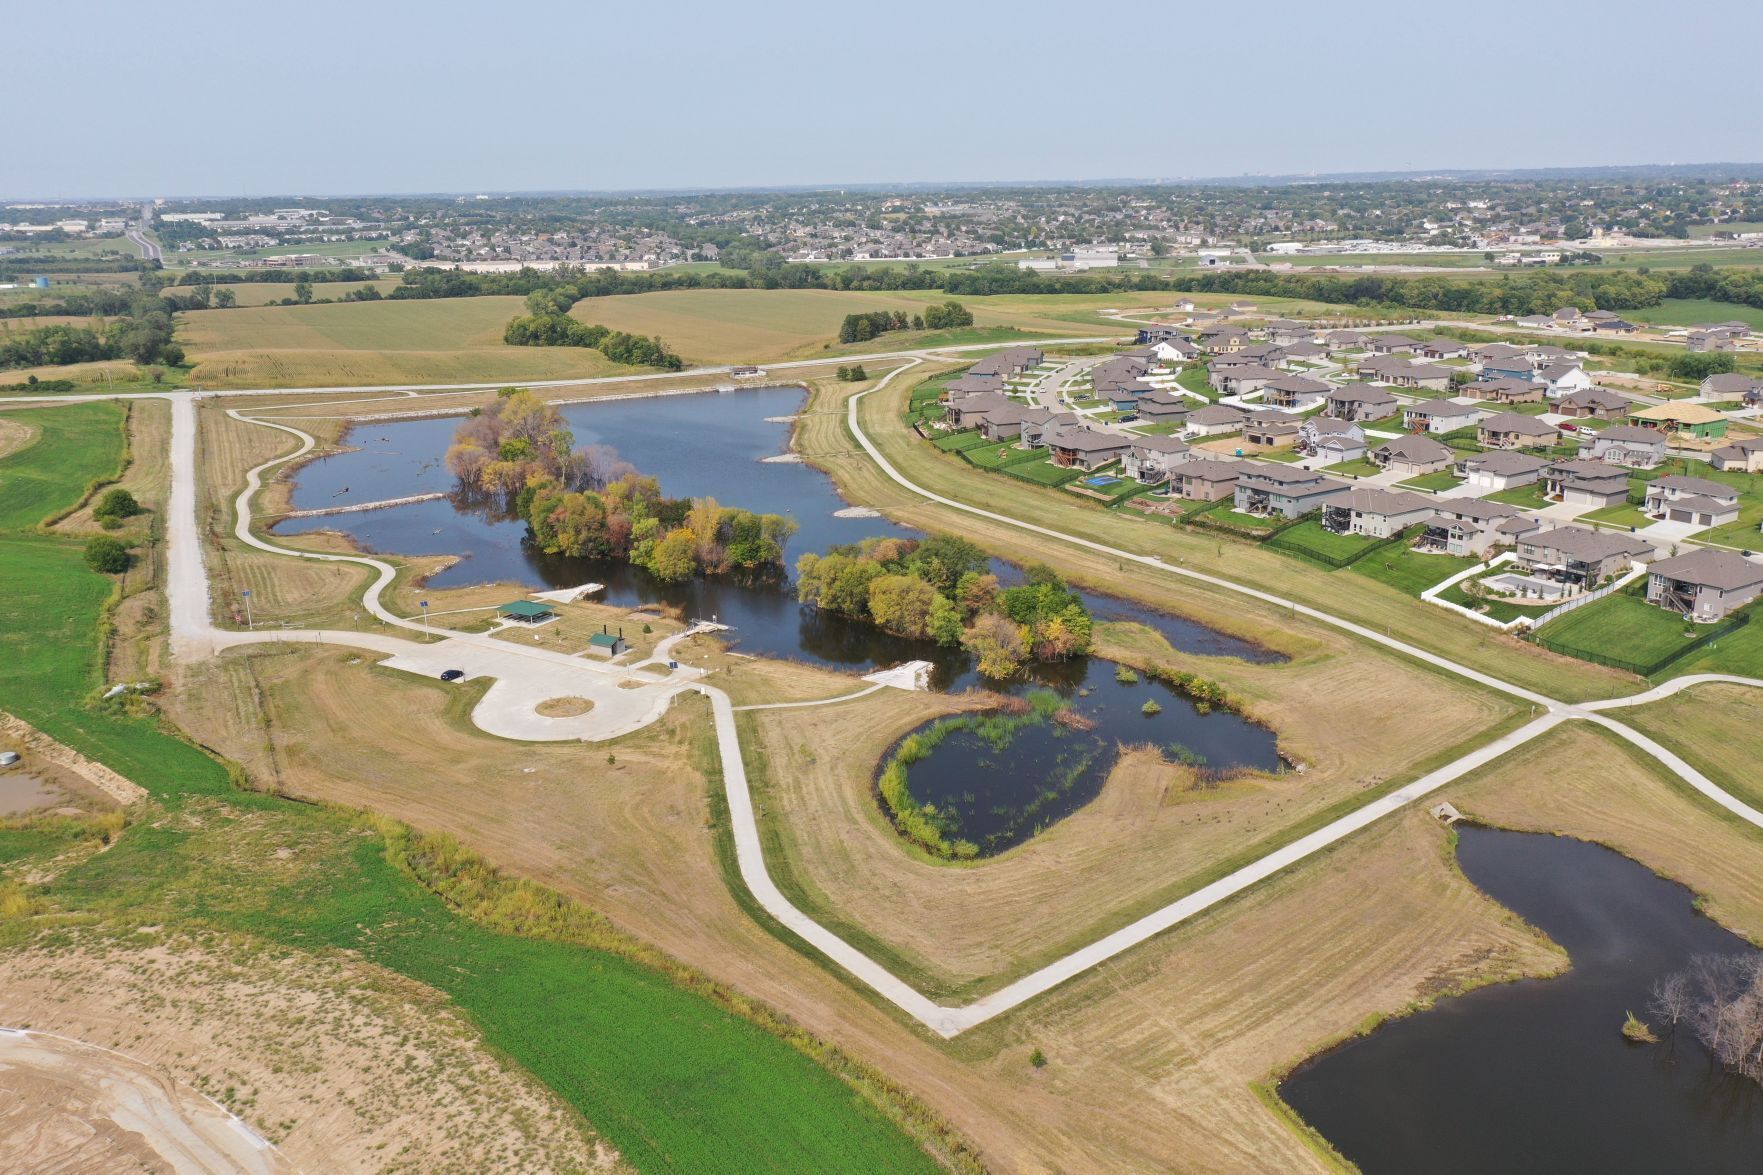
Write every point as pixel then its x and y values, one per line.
pixel 1310 536
pixel 1622 626
pixel 675 1081
pixel 1690 311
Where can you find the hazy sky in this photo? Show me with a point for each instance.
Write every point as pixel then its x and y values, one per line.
pixel 185 98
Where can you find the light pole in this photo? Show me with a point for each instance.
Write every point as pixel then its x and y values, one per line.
pixel 247 595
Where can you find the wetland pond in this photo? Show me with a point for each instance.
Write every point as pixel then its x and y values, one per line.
pixel 716 445
pixel 1535 1076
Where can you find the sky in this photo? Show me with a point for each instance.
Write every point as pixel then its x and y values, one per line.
pixel 184 98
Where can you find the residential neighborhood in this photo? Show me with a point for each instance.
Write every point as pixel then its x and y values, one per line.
pixel 1520 459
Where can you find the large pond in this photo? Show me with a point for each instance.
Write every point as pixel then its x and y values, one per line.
pixel 697 445
pixel 1535 1076
pixel 716 445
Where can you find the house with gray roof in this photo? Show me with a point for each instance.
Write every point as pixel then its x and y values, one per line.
pixel 1513 430
pixel 1584 482
pixel 1741 456
pixel 1727 385
pixel 1698 501
pixel 1419 375
pixel 1244 379
pixel 1087 448
pixel 1413 455
pixel 1471 528
pixel 1360 402
pixel 1037 433
pixel 1502 469
pixel 968 384
pixel 1148 460
pixel 1158 406
pixel 1284 490
pixel 1443 348
pixel 1205 479
pixel 1583 558
pixel 1215 419
pixel 1440 416
pixel 1330 439
pixel 1705 585
pixel 1291 354
pixel 967 411
pixel 1343 340
pixel 1389 344
pixel 1628 445
pixel 1008 362
pixel 1294 391
pixel 1375 513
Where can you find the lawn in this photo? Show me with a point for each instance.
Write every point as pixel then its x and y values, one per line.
pixel 1310 536
pixel 1501 610
pixel 1690 311
pixel 1621 514
pixel 1525 497
pixel 1193 377
pixel 1442 480
pixel 674 1080
pixel 1043 472
pixel 1359 468
pixel 1409 571
pixel 1619 627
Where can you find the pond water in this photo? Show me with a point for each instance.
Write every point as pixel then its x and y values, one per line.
pixel 1000 796
pixel 697 445
pixel 715 445
pixel 22 791
pixel 1535 1076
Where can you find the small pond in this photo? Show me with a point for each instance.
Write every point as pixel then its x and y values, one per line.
pixel 999 792
pixel 1535 1076
pixel 22 791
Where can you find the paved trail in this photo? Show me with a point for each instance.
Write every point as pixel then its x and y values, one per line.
pixel 194 634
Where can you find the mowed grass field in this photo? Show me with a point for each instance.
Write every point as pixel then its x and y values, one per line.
pixel 454 340
pixel 674 1080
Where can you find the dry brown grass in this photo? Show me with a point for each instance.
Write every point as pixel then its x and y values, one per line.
pixel 1151 1056
pixel 564 707
pixel 959 929
pixel 1715 728
pixel 15 435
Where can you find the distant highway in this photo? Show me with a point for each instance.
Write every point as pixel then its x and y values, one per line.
pixel 149 250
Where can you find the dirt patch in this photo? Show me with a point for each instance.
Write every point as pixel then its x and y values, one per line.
pixel 15 435
pixel 563 707
pixel 343 1066
pixel 66 1105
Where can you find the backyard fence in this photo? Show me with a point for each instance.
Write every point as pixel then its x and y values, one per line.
pixel 1647 669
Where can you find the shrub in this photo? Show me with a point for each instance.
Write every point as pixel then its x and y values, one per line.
pixel 106 556
pixel 115 505
pixel 1038 1059
pixel 1150 707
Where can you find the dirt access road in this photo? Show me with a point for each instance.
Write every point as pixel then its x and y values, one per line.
pixel 70 1106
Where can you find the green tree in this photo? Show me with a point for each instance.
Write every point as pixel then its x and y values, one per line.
pixel 116 505
pixel 223 299
pixel 676 556
pixel 106 555
pixel 302 291
pixel 903 605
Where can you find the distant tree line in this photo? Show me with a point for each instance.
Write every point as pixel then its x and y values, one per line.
pixel 143 333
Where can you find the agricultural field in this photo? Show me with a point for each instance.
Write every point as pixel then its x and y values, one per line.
pixel 1690 311
pixel 454 340
pixel 768 326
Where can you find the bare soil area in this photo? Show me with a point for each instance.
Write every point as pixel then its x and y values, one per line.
pixel 343 1066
